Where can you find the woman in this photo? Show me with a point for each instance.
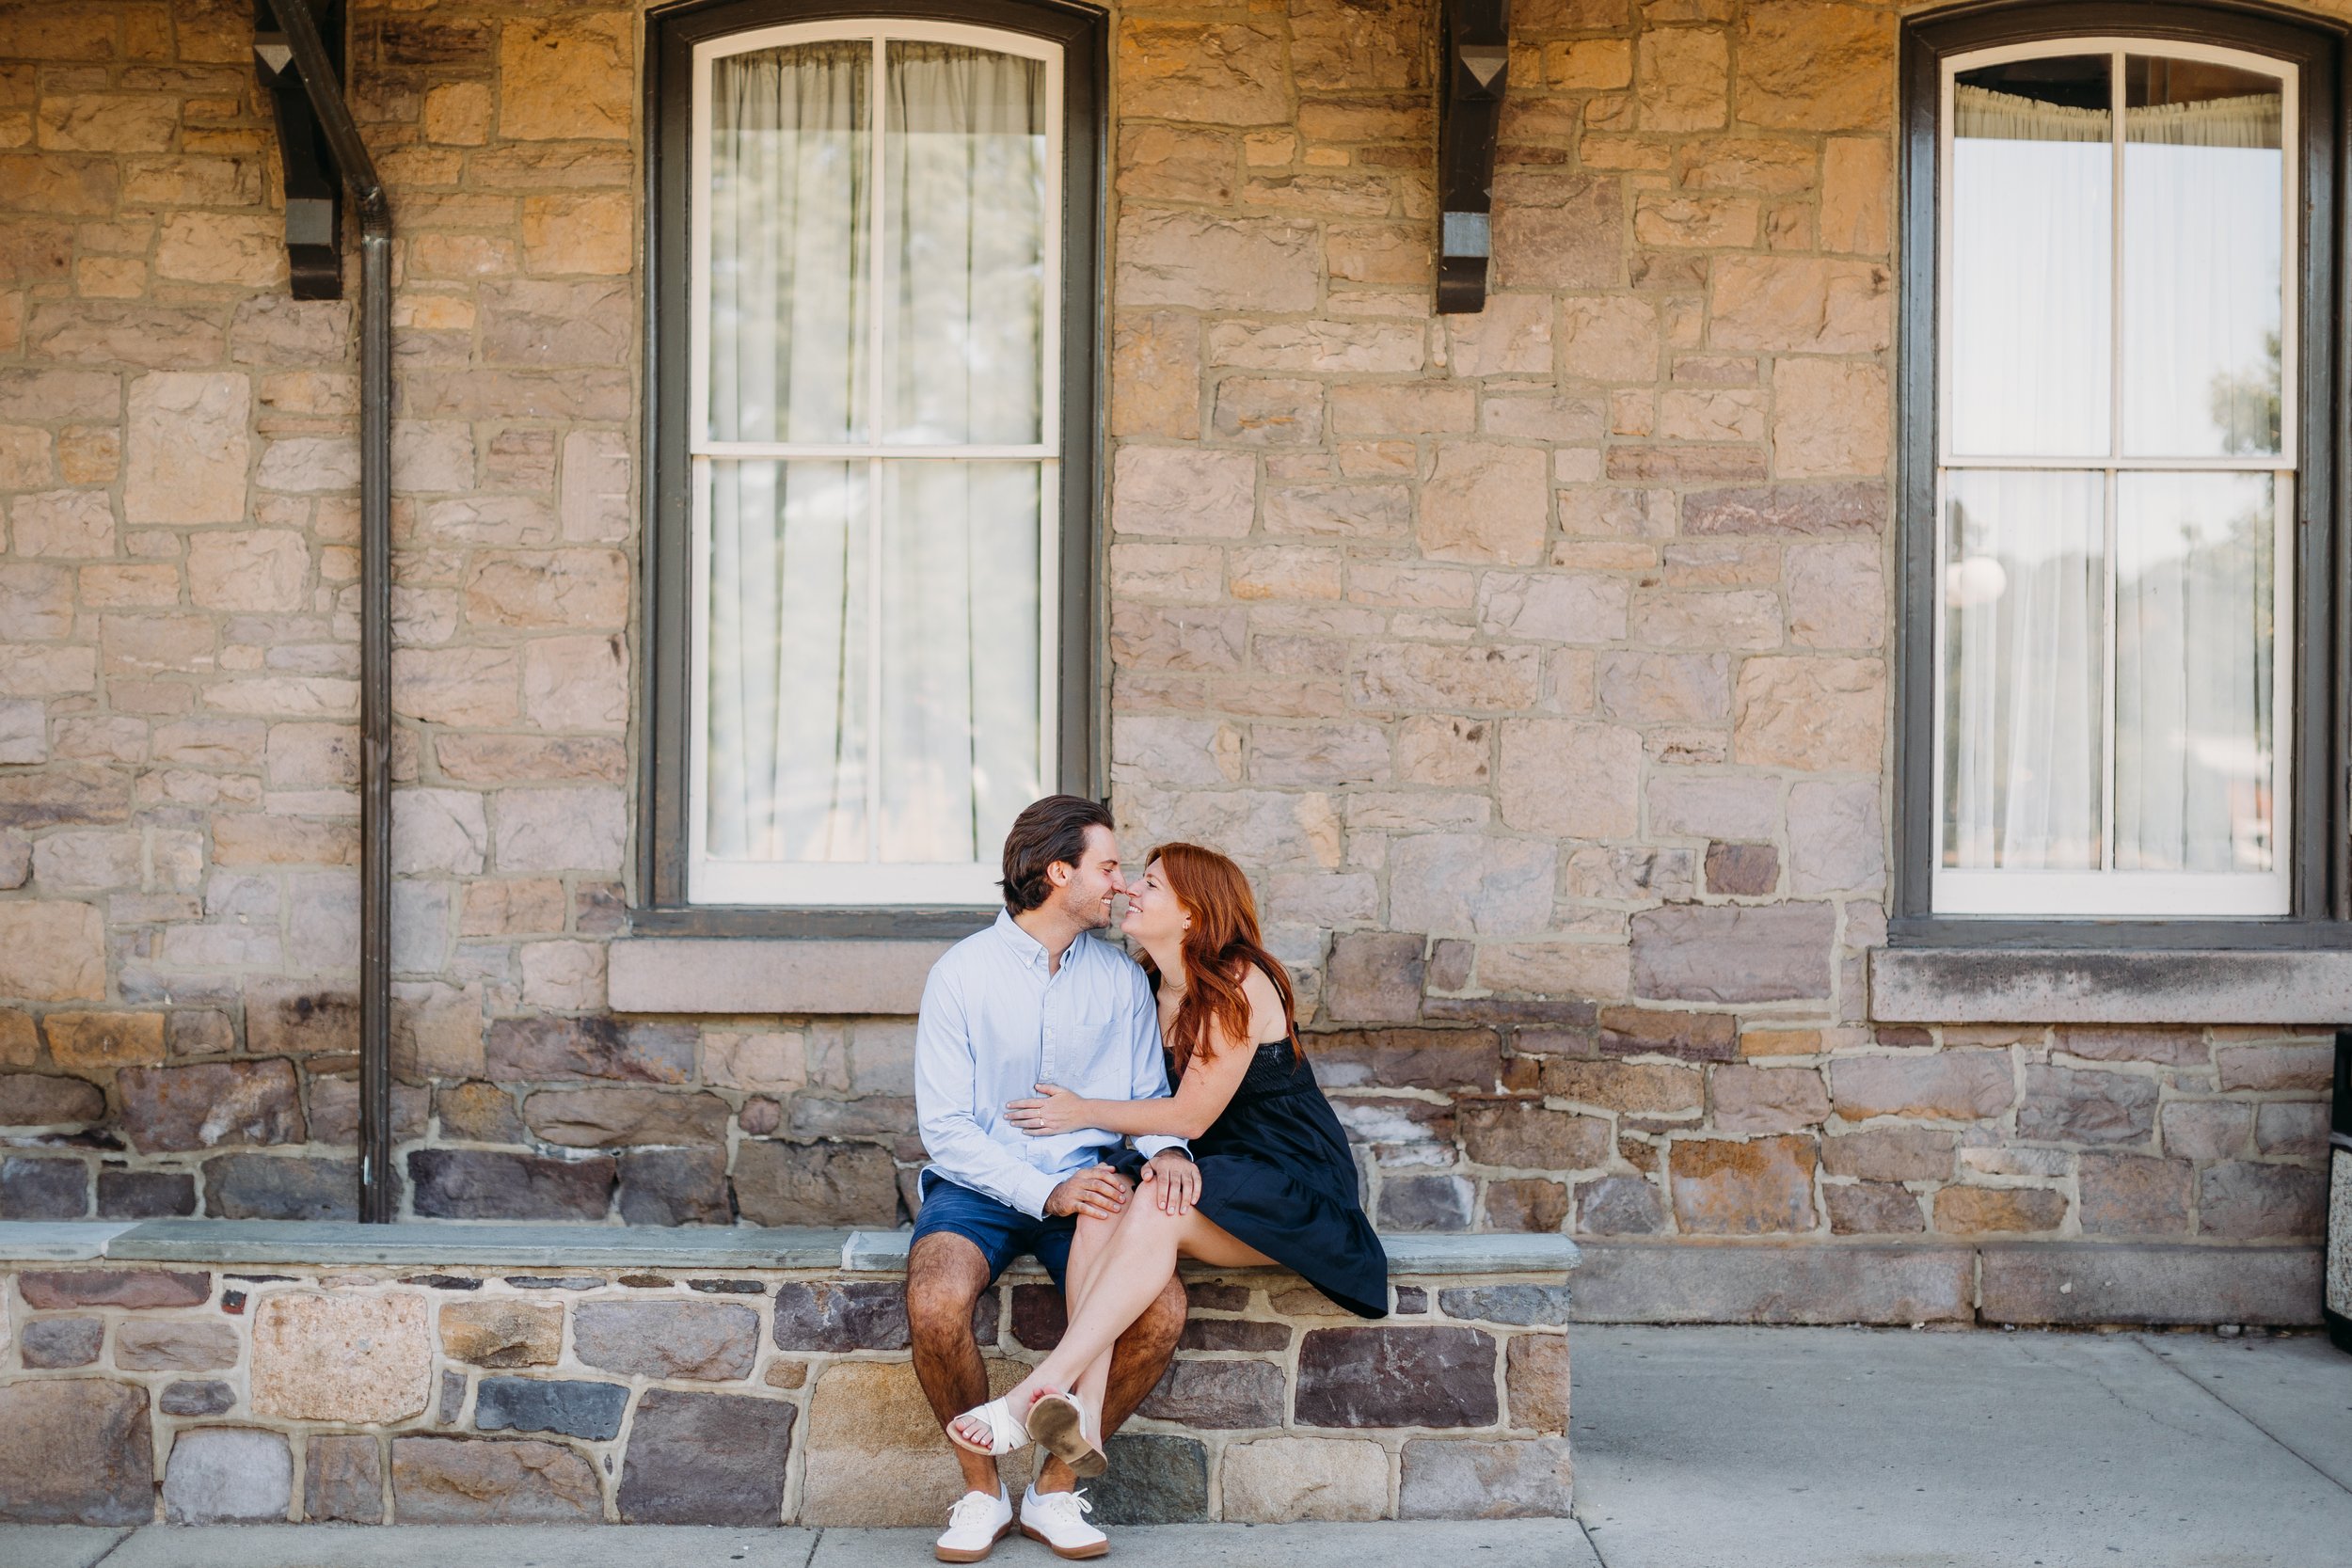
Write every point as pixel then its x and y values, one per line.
pixel 1271 1184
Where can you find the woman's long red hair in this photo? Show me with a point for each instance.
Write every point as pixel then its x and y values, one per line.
pixel 1220 947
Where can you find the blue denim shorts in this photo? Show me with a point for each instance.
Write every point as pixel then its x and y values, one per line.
pixel 1000 1231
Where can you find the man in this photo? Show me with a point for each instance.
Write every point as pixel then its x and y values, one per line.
pixel 1034 998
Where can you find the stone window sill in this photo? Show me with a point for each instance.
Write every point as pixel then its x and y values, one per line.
pixel 1950 985
pixel 491 1244
pixel 751 975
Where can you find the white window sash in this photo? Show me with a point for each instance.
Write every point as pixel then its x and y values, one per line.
pixel 870 882
pixel 2110 892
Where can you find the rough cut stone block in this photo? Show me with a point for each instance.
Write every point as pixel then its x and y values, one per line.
pixel 43 1189
pixel 1373 977
pixel 1277 1480
pixel 342 1480
pixel 1516 1480
pixel 1154 1478
pixel 1523 1304
pixel 1723 1188
pixel 52 950
pixel 196 1396
pixel 1470 1059
pixel 1396 1377
pixel 1955 1085
pixel 520 1050
pixel 874 1454
pixel 854 1315
pixel 674 1186
pixel 1198 260
pixel 188 445
pixel 456 1480
pixel 206 1104
pixel 602 1118
pixel 1426 1203
pixel 473 1184
pixel 1233 1395
pixel 575 1408
pixel 706 1459
pixel 1234 1333
pixel 51 1342
pixel 2140 1283
pixel 145 1194
pixel 167 1345
pixel 1733 953
pixel 1525 1135
pixel 503 1333
pixel 2076 1105
pixel 43 1289
pixel 1535 1382
pixel 38 1100
pixel 228 1475
pixel 706 1341
pixel 826 1182
pixel 1783 1282
pixel 281 1187
pixel 328 1356
pixel 76 1451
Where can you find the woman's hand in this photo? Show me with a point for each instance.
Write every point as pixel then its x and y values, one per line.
pixel 1059 1111
pixel 1171 1180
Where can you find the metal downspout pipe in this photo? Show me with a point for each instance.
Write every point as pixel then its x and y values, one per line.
pixel 377 1195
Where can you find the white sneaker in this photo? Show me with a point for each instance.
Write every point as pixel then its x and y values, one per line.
pixel 977 1523
pixel 1058 1519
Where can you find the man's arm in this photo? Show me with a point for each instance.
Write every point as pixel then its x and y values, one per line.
pixel 945 1087
pixel 1147 1075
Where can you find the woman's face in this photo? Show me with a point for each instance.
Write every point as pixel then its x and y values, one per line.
pixel 1153 915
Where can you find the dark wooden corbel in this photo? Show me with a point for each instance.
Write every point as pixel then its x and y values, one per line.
pixel 314 193
pixel 1472 77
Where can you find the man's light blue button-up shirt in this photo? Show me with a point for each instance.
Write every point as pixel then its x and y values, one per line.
pixel 997 1020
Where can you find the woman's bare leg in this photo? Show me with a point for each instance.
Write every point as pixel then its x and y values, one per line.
pixel 1087 1243
pixel 1128 1274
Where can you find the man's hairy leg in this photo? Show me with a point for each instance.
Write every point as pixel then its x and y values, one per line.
pixel 1138 1359
pixel 945 1275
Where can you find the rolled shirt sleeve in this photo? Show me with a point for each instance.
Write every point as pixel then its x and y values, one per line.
pixel 946 1084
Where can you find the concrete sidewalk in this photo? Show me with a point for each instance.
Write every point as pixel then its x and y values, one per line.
pixel 1697 1447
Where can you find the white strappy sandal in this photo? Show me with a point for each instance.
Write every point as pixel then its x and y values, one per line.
pixel 1004 1431
pixel 1060 1427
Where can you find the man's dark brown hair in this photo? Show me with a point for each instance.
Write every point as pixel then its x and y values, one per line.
pixel 1054 829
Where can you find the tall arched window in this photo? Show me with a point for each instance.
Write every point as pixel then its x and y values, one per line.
pixel 2117 634
pixel 879 469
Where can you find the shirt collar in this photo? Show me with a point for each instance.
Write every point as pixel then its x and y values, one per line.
pixel 1022 945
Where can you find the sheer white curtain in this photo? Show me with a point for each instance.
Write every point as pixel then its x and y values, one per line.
pixel 874 621
pixel 787 742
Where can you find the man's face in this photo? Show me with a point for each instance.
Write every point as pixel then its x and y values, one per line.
pixel 1086 898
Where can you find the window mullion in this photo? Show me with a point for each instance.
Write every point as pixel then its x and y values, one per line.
pixel 2109 639
pixel 878 311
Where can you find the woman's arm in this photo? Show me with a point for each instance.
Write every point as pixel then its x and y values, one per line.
pixel 1200 1097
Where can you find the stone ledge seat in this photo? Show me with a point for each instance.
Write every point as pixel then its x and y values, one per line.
pixel 214 1372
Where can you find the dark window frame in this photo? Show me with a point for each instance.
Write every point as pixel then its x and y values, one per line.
pixel 2319 872
pixel 660 904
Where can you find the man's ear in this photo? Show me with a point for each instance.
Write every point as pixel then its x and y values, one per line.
pixel 1059 873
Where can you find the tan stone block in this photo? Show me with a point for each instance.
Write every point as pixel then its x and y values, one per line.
pixel 1155 375
pixel 1711 414
pixel 1434 748
pixel 106 121
pixel 567 79
pixel 1403 408
pixel 1830 417
pixel 1837 593
pixel 580 233
pixel 1285 572
pixel 84 1042
pixel 436 1029
pixel 1761 1187
pixel 1681 79
pixel 1948 1085
pixel 27 457
pixel 1800 304
pixel 1768 1100
pixel 503 1333
pixel 1857 182
pixel 254 838
pixel 465 687
pixel 1984 1211
pixel 769 1060
pixel 1594 971
pixel 874 1447
pixel 1168 162
pixel 1705 619
pixel 1818 714
pixel 1571 778
pixel 1695 222
pixel 222 247
pixel 1317 346
pixel 458 114
pixel 576 683
pixel 1362 253
pixel 1268 411
pixel 1485 502
pixel 1199 261
pixel 188 447
pixel 260 569
pixel 1277 1480
pixel 1589 65
pixel 337 1356
pixel 1183 492
pixel 52 951
pixel 1215 73
pixel 1810 65
pixel 1512 336
pixel 1610 338
pixel 1556 231
pixel 564 975
pixel 1448 679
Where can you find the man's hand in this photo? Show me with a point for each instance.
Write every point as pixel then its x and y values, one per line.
pixel 1174 1181
pixel 1097 1190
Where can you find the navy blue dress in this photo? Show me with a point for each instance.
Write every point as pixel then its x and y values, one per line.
pixel 1276 1173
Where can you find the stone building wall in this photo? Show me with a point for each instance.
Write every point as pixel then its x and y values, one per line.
pixel 1535 662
